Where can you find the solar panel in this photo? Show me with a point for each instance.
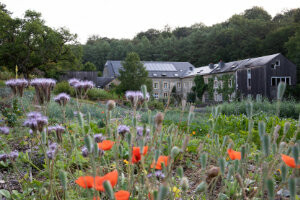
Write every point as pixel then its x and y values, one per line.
pixel 160 67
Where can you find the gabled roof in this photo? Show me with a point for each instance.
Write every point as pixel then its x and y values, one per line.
pixel 201 71
pixel 240 64
pixel 103 81
pixel 155 68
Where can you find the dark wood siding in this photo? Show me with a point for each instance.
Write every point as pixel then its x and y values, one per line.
pixel 258 85
pixel 286 68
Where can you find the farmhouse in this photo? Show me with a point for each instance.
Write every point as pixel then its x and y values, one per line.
pixel 164 76
pixel 252 76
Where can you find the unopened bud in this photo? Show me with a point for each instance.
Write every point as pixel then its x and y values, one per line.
pixel 110 105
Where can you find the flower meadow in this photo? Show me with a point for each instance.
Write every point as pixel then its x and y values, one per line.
pixel 141 154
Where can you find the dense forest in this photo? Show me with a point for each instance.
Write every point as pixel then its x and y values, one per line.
pixel 33 46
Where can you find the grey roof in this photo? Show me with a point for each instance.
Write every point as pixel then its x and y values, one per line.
pixel 155 68
pixel 102 81
pixel 240 64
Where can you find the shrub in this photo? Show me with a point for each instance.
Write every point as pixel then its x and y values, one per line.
pixel 2 84
pixel 100 94
pixel 156 105
pixel 64 87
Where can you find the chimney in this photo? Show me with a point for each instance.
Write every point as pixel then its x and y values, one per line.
pixel 211 65
pixel 221 64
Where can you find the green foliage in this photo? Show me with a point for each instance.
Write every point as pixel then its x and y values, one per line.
pixel 199 87
pixel 88 66
pixel 133 75
pixel 11 112
pixel 155 105
pixel 65 87
pixel 100 94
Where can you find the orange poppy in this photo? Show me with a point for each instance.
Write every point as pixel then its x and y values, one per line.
pixel 112 177
pixel 122 195
pixel 161 159
pixel 234 155
pixel 136 153
pixel 85 181
pixel 96 198
pixel 106 145
pixel 289 161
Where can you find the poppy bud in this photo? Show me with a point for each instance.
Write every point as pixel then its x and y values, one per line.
pixel 283 170
pixel 243 152
pixel 184 183
pixel 203 161
pixel 163 192
pixel 266 144
pixel 159 118
pixel 261 129
pixel 249 109
pixel 230 172
pixel 270 189
pixel 88 143
pixel 110 105
pixel 108 189
pixel 44 137
pixel 286 127
pixel 280 90
pixel 295 153
pixel 292 188
pixel 63 178
pixel 174 152
pixel 222 165
pixel 201 187
pixel 180 171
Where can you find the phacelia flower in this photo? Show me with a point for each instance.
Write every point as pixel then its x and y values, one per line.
pixel 58 130
pixel 62 99
pixel 158 174
pixel 98 138
pixel 140 131
pixel 84 152
pixel 122 129
pixel 3 157
pixel 17 85
pixel 81 86
pixel 73 81
pixel 43 87
pixel 136 97
pixel 52 151
pixel 4 130
pixel 36 121
pixel 13 155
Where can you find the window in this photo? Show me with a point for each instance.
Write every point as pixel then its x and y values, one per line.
pixel 221 84
pixel 165 95
pixel 249 78
pixel 216 83
pixel 215 96
pixel 276 80
pixel 277 63
pixel 230 83
pixel 155 95
pixel 206 80
pixel 185 84
pixel 178 85
pixel 165 85
pixel 191 84
pixel 155 85
pixel 273 66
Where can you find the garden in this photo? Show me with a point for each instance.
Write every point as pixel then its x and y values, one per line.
pixel 59 146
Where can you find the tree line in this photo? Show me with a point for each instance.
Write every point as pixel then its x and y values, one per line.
pixel 37 48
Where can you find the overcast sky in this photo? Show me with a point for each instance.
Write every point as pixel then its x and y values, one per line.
pixel 126 18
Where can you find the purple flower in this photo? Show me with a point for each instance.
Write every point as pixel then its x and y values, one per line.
pixel 50 154
pixel 57 129
pixel 43 87
pixel 84 151
pixel 158 174
pixel 53 146
pixel 35 121
pixel 62 99
pixel 4 130
pixel 140 131
pixel 98 138
pixel 136 97
pixel 73 81
pixel 13 155
pixel 3 157
pixel 122 129
pixel 17 85
pixel 81 86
